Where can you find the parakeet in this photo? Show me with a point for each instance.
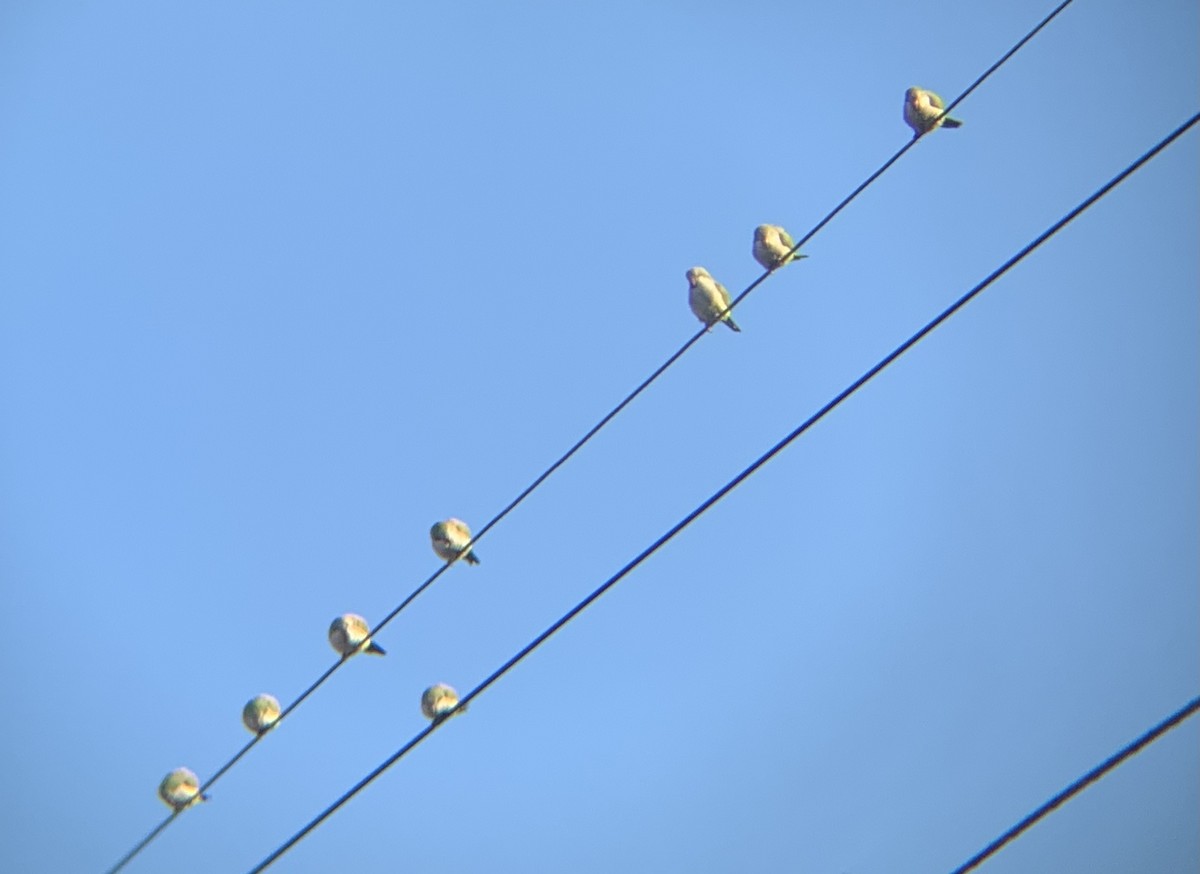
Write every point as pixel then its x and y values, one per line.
pixel 438 700
pixel 921 110
pixel 772 245
pixel 449 538
pixel 180 789
pixel 709 298
pixel 348 635
pixel 260 713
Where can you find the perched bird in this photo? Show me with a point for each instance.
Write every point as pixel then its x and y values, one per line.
pixel 260 713
pixel 348 635
pixel 772 245
pixel 921 111
pixel 709 298
pixel 180 789
pixel 438 700
pixel 449 538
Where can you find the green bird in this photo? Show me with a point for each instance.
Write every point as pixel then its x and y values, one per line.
pixel 921 111
pixel 450 538
pixel 709 298
pixel 438 700
pixel 260 713
pixel 349 634
pixel 180 789
pixel 772 245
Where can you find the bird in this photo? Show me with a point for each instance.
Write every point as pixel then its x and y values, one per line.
pixel 348 635
pixel 709 298
pixel 921 111
pixel 260 713
pixel 773 247
pixel 180 789
pixel 438 700
pixel 450 538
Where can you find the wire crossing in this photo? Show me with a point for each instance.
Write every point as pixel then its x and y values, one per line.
pixel 1127 751
pixel 731 485
pixel 579 444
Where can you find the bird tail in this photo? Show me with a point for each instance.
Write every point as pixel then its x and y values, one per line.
pixel 732 325
pixel 471 557
pixel 951 122
pixel 375 649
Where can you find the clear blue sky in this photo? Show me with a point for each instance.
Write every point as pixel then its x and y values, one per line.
pixel 282 284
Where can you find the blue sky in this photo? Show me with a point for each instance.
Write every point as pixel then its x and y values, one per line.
pixel 282 284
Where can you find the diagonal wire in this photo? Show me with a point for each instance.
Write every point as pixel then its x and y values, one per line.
pixel 960 98
pixel 595 429
pixel 750 288
pixel 953 103
pixel 1127 751
pixel 734 483
pixel 144 842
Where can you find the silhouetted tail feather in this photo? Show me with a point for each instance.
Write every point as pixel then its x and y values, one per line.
pixel 375 649
pixel 951 122
pixel 733 325
pixel 471 557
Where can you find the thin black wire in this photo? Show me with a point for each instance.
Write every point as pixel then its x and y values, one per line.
pixel 1082 783
pixel 579 444
pixel 702 331
pixel 158 829
pixel 143 843
pixel 751 287
pixel 957 100
pixel 732 484
pixel 1000 62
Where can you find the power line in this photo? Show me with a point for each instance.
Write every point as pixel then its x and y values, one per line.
pixel 945 112
pixel 579 444
pixel 1082 783
pixel 751 287
pixel 735 482
pixel 144 842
